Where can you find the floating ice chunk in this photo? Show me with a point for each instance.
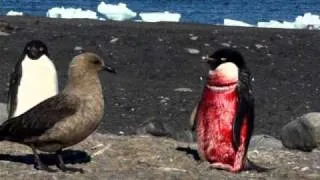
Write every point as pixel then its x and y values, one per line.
pixel 231 22
pixel 308 20
pixel 70 13
pixel 160 16
pixel 276 24
pixel 118 12
pixel 14 13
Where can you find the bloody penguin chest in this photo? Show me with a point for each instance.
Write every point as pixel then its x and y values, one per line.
pixel 216 114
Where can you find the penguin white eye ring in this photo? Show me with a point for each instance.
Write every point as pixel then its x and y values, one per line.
pixel 207 58
pixel 223 59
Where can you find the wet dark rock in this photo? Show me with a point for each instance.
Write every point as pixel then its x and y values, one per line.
pixel 264 141
pixel 302 133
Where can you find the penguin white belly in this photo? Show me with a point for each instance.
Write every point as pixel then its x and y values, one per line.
pixel 38 82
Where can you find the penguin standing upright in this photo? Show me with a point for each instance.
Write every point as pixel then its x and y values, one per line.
pixel 223 119
pixel 34 79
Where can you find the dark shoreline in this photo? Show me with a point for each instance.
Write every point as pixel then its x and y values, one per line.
pixel 151 61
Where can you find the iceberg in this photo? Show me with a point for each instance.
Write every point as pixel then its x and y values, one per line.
pixel 14 13
pixel 231 22
pixel 276 24
pixel 307 21
pixel 70 13
pixel 160 16
pixel 118 12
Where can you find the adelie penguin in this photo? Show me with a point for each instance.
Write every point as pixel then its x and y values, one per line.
pixel 64 119
pixel 223 119
pixel 34 79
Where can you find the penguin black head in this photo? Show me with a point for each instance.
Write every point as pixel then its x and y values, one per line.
pixel 35 49
pixel 227 66
pixel 225 55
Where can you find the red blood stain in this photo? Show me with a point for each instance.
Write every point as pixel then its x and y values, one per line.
pixel 216 114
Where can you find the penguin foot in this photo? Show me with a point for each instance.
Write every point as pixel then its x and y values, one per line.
pixel 70 169
pixel 43 167
pixel 222 166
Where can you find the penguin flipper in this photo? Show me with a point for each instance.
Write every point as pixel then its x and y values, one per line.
pixel 39 119
pixel 14 83
pixel 193 118
pixel 245 110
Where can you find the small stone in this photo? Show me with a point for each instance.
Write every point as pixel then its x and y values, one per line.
pixel 163 101
pixel 259 46
pixel 113 40
pixel 78 48
pixel 121 132
pixel 305 169
pixel 192 51
pixel 97 146
pixel 206 44
pixel 4 33
pixel 225 44
pixel 279 36
pixel 183 90
pixel 194 38
pixel 295 168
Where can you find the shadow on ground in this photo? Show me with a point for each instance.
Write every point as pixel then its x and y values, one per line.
pixel 69 156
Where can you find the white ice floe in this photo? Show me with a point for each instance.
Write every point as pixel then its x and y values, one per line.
pixel 231 22
pixel 71 13
pixel 160 16
pixel 14 13
pixel 307 21
pixel 276 24
pixel 118 12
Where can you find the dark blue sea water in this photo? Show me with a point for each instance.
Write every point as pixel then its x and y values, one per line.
pixel 199 11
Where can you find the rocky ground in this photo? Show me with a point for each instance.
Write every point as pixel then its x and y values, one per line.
pixel 143 157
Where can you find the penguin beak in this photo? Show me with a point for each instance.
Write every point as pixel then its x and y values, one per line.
pixel 109 69
pixel 207 59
